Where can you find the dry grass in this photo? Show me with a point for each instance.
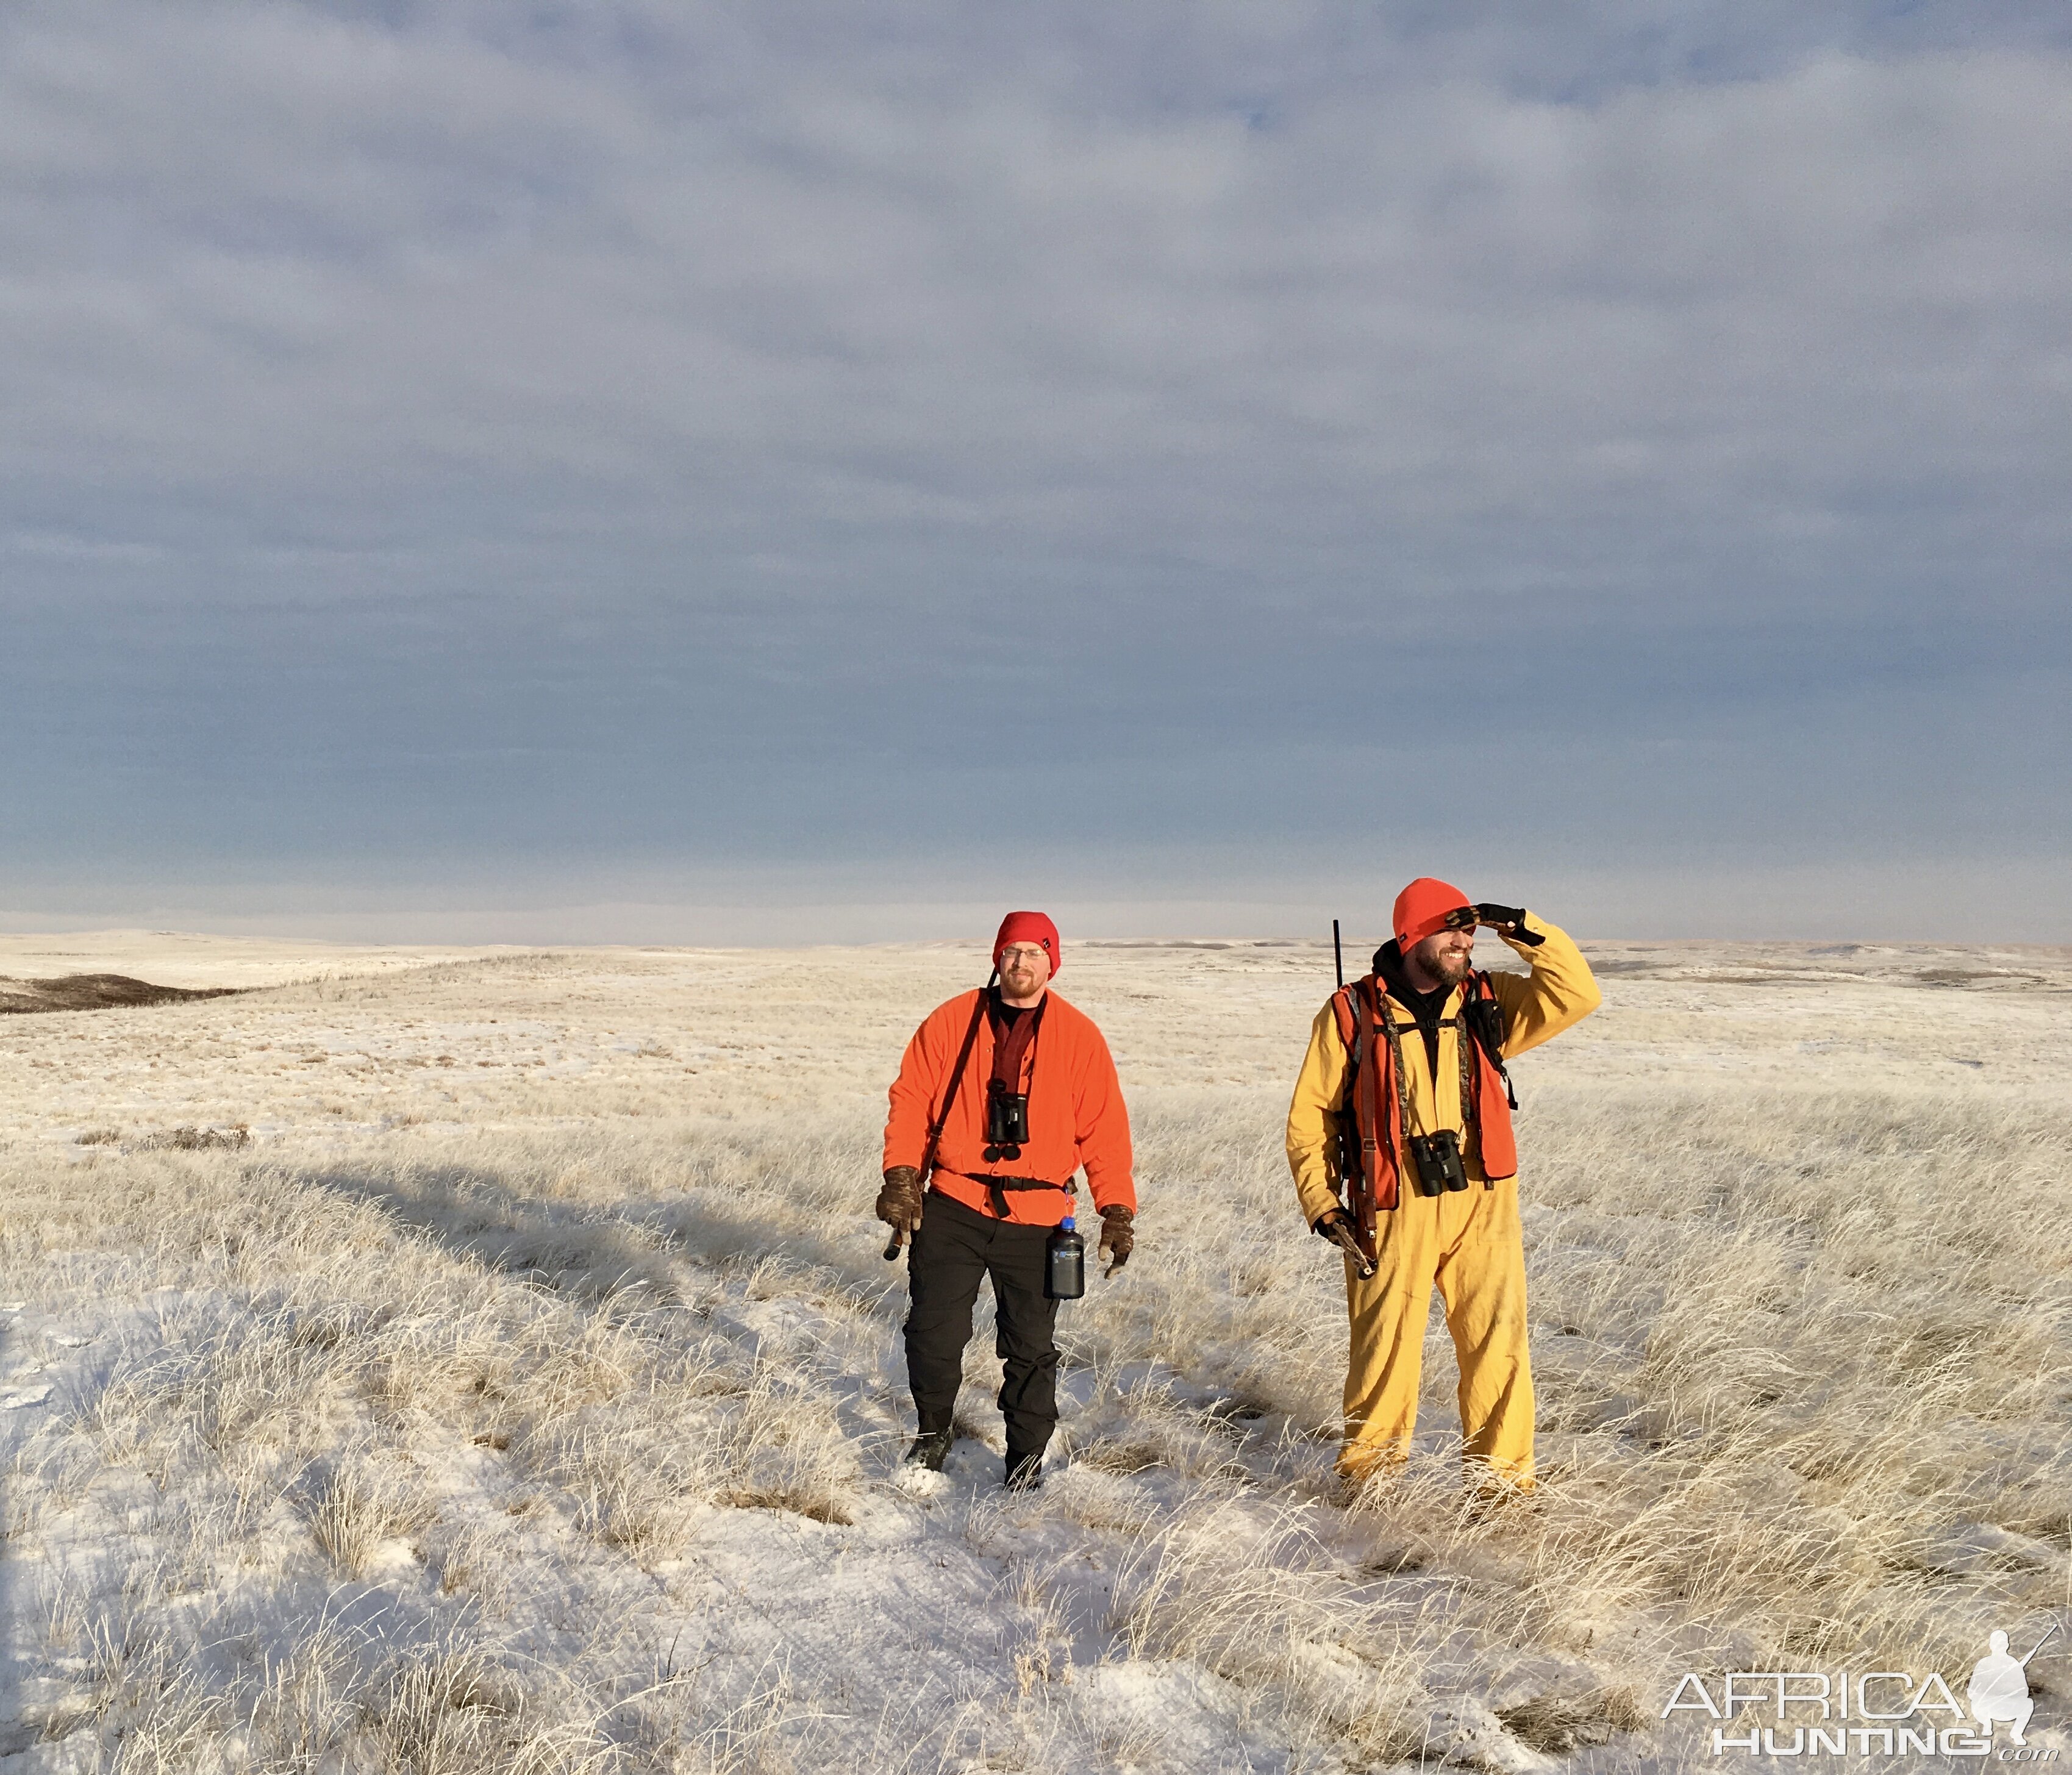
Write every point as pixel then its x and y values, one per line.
pixel 554 1431
pixel 358 1508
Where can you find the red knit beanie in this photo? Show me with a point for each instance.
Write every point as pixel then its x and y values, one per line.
pixel 1422 909
pixel 1027 927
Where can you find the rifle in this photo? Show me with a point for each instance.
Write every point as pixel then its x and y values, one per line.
pixel 949 1097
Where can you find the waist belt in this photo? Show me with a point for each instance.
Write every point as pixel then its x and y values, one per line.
pixel 996 1187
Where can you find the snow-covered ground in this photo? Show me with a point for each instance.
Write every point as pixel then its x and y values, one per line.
pixel 449 1361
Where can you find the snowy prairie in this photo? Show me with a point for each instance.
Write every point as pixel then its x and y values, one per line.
pixel 451 1361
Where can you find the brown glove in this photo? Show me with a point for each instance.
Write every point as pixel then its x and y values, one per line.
pixel 1343 1231
pixel 899 1201
pixel 1118 1237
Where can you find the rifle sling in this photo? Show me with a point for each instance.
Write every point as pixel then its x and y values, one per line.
pixel 956 1077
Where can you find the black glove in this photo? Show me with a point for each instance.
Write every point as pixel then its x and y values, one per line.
pixel 899 1201
pixel 1509 920
pixel 1343 1231
pixel 1118 1237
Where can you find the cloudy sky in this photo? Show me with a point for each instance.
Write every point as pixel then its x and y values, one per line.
pixel 674 472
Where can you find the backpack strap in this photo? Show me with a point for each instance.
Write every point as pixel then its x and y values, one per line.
pixel 1464 1051
pixel 1342 1008
pixel 1374 1132
pixel 1487 1030
pixel 1395 1033
pixel 1465 1046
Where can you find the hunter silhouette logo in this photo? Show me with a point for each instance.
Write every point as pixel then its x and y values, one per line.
pixel 1999 1688
pixel 1878 1712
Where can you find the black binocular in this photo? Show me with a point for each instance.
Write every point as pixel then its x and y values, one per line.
pixel 1435 1159
pixel 1006 1122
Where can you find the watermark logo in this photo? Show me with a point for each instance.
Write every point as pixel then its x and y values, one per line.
pixel 1878 1712
pixel 1999 1688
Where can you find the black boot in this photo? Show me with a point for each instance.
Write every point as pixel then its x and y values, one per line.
pixel 931 1449
pixel 1025 1472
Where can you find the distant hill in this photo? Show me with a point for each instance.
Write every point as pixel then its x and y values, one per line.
pixel 96 992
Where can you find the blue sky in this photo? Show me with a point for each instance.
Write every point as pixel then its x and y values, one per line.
pixel 769 472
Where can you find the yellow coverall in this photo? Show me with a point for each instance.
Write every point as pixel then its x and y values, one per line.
pixel 1467 1241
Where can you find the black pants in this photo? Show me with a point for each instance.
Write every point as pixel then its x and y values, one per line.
pixel 956 1248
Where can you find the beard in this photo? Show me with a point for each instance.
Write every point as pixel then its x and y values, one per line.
pixel 1450 968
pixel 1021 982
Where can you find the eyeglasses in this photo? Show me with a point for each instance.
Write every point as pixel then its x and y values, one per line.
pixel 1022 952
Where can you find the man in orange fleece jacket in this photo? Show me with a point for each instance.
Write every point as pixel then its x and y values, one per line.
pixel 1037 1100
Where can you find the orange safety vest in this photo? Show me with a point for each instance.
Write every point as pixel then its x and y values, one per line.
pixel 1372 1166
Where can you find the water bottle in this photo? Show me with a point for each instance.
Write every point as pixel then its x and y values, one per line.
pixel 1065 1266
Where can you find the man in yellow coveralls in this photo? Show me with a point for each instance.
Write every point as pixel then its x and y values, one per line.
pixel 1404 1104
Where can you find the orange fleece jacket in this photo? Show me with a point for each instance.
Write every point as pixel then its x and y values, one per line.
pixel 1076 1116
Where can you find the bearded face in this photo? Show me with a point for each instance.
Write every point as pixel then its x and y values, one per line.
pixel 1445 957
pixel 1024 970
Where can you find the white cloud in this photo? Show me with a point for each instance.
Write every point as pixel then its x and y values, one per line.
pixel 265 258
pixel 1205 346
